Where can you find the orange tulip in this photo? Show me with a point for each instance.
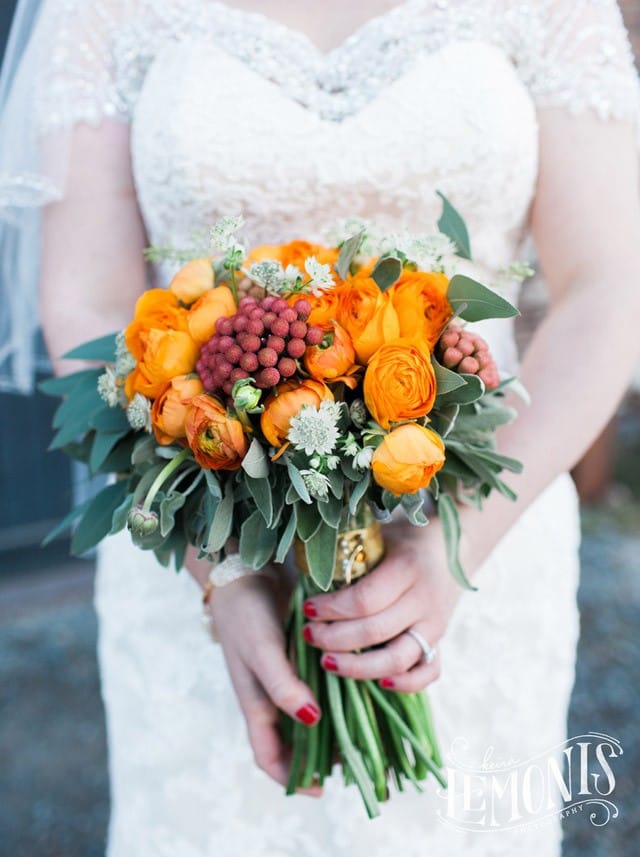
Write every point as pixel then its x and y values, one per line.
pixel 214 304
pixel 367 314
pixel 170 408
pixel 420 301
pixel 334 359
pixel 192 280
pixel 407 459
pixel 399 383
pixel 166 353
pixel 285 402
pixel 217 440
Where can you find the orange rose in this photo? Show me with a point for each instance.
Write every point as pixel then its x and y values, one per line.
pixel 399 382
pixel 166 353
pixel 294 253
pixel 285 403
pixel 170 408
pixel 192 280
pixel 214 304
pixel 420 300
pixel 334 359
pixel 367 314
pixel 407 459
pixel 218 441
pixel 157 308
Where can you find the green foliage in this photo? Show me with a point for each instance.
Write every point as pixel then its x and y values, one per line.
pixel 474 302
pixel 348 252
pixel 320 550
pixel 448 512
pixel 453 226
pixel 97 518
pixel 386 271
pixel 102 349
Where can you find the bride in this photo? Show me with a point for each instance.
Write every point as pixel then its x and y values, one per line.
pixel 137 121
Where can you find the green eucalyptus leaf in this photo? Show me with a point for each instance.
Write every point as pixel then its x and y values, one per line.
pixel 450 521
pixel 222 522
pixel 96 521
pixel 103 443
pixel 102 349
pixel 255 462
pixel 446 380
pixel 110 420
pixel 298 483
pixel 65 523
pixel 358 492
pixel 386 272
pixel 348 252
pixel 444 418
pixel 453 226
pixel 472 389
pixel 287 537
pixel 260 490
pixel 168 508
pixel 61 386
pixel 320 551
pixel 475 302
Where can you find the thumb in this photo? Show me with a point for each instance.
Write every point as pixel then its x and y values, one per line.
pixel 289 693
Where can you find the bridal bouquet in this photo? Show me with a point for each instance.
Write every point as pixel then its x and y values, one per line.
pixel 291 398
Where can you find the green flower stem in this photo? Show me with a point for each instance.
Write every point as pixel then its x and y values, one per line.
pixel 415 723
pixel 363 725
pixel 425 709
pixel 300 732
pixel 348 750
pixel 299 740
pixel 313 732
pixel 405 731
pixel 233 285
pixel 161 478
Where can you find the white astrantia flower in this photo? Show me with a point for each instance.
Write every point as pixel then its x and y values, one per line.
pixel 108 388
pixel 362 460
pixel 223 233
pixel 321 276
pixel 333 461
pixel 427 251
pixel 125 361
pixel 139 413
pixel 317 484
pixel 268 273
pixel 315 430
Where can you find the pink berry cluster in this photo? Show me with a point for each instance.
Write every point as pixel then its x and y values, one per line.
pixel 465 351
pixel 262 340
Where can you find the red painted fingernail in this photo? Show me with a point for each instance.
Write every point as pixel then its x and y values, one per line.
pixel 330 663
pixel 307 634
pixel 387 682
pixel 309 609
pixel 308 714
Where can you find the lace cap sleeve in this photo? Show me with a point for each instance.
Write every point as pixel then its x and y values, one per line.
pixel 576 54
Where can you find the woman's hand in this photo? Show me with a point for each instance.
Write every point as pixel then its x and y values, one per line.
pixel 410 589
pixel 248 617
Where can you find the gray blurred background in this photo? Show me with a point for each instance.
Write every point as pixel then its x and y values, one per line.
pixel 54 799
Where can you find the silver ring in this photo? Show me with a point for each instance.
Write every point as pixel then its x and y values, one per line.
pixel 428 652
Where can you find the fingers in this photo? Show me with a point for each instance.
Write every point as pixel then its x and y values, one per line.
pixel 371 594
pixel 395 658
pixel 415 680
pixel 276 675
pixel 372 630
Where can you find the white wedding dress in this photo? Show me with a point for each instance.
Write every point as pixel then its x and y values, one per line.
pixel 231 111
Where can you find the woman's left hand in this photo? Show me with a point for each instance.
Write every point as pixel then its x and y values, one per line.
pixel 412 588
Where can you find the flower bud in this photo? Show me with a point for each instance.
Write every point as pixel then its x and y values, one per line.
pixel 358 413
pixel 245 396
pixel 142 522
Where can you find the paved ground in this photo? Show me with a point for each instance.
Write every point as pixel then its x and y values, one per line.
pixel 53 784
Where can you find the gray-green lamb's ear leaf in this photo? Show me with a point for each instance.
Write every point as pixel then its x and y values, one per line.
pixel 348 252
pixel 453 226
pixel 110 420
pixel 413 508
pixel 474 302
pixel 450 519
pixel 358 492
pixel 298 483
pixel 471 390
pixel 65 523
pixel 257 542
pixel 387 271
pixel 255 462
pixel 102 349
pixel 96 521
pixel 67 383
pixel 222 523
pixel 102 445
pixel 320 551
pixel 144 451
pixel 168 508
pixel 260 490
pixel 287 537
pixel 308 520
pixel 120 515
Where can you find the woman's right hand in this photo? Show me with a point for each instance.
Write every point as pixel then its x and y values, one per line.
pixel 248 619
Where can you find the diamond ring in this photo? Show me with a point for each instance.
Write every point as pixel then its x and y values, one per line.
pixel 428 651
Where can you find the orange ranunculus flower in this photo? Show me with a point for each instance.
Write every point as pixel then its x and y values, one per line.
pixel 324 306
pixel 293 253
pixel 367 314
pixel 217 440
pixel 399 382
pixel 407 459
pixel 420 300
pixel 166 353
pixel 170 408
pixel 285 402
pixel 155 308
pixel 213 304
pixel 334 359
pixel 192 280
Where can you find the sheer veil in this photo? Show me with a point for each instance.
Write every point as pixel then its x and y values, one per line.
pixel 27 182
